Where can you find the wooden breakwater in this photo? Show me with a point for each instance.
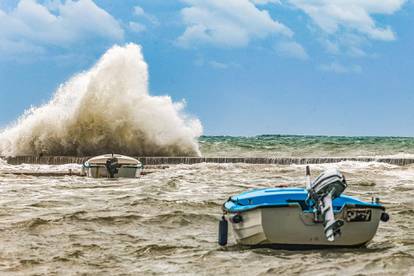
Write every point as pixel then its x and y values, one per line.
pixel 58 160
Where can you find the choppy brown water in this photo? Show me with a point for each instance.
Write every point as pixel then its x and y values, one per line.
pixel 166 223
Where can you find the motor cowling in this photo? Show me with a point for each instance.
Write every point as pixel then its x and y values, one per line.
pixel 321 192
pixel 329 182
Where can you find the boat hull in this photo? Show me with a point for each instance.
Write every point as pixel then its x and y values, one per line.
pixel 102 172
pixel 119 165
pixel 290 226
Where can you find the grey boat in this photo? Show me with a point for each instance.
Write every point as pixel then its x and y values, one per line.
pixel 112 166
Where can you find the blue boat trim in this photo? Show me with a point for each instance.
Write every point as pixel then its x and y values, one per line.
pixel 286 197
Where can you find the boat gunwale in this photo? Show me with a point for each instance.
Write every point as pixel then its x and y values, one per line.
pixel 121 166
pixel 293 204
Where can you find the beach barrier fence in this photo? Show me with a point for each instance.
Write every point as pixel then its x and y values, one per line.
pixel 59 160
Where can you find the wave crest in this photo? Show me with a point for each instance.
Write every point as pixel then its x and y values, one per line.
pixel 106 109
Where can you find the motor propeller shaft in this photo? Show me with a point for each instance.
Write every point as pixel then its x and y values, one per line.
pixel 321 192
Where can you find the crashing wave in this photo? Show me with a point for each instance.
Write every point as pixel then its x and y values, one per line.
pixel 106 109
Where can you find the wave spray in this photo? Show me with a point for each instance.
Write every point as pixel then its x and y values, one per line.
pixel 105 109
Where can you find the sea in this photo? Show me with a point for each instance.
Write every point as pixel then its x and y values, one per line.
pixel 307 146
pixel 166 222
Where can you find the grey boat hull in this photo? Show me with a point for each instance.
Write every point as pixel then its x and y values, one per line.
pixel 123 172
pixel 290 226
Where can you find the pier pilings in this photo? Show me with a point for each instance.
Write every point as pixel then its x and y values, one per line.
pixel 59 160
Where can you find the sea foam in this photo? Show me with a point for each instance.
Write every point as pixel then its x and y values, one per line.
pixel 105 109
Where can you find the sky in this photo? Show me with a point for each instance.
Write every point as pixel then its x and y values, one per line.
pixel 244 67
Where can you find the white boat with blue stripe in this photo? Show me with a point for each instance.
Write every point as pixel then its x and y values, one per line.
pixel 316 216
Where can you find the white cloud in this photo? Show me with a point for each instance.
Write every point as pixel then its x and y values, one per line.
pixel 141 13
pixel 218 65
pixel 265 2
pixel 351 15
pixel 32 25
pixel 348 43
pixel 291 49
pixel 138 11
pixel 330 46
pixel 340 68
pixel 12 48
pixel 230 23
pixel 137 27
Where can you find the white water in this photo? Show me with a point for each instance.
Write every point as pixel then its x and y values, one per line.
pixel 165 223
pixel 105 109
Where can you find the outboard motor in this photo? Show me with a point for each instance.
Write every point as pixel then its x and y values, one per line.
pixel 112 166
pixel 322 191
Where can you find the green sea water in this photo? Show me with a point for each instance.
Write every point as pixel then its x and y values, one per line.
pixel 306 146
